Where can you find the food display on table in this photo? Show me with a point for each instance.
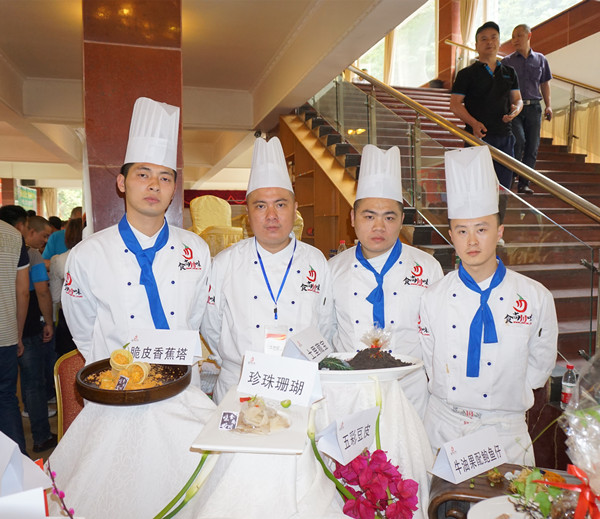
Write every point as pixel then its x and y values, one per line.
pixel 369 358
pixel 258 417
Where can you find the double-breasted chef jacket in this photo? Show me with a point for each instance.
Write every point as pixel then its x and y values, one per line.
pixel 240 309
pixel 103 299
pixel 403 286
pixel 521 360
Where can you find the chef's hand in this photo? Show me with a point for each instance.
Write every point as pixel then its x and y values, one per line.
pixel 514 111
pixel 479 130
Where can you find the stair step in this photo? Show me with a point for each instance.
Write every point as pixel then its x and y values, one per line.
pixel 574 303
pixel 557 276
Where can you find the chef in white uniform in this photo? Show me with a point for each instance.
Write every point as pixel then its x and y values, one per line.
pixel 271 284
pixel 488 334
pixel 141 273
pixel 131 461
pixel 380 281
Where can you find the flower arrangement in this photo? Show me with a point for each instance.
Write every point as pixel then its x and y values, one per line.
pixel 59 493
pixel 377 487
pixel 372 486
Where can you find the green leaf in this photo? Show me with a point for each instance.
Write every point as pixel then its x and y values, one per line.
pixel 543 500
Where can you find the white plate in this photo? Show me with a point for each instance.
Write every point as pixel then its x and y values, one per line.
pixel 493 508
pixel 362 375
pixel 286 441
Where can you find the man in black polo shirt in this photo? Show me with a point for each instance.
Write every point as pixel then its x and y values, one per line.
pixel 486 97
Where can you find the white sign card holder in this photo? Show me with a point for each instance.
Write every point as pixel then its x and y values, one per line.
pixel 165 346
pixel 307 344
pixel 469 456
pixel 343 440
pixel 280 378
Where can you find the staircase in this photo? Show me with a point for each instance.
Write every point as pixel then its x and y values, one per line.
pixel 534 246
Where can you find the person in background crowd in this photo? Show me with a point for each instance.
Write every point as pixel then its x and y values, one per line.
pixel 380 281
pixel 56 223
pixel 56 242
pixel 64 340
pixel 269 284
pixel 489 335
pixel 534 76
pixel 14 299
pixel 486 97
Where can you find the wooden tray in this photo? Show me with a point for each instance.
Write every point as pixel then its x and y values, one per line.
pixel 179 378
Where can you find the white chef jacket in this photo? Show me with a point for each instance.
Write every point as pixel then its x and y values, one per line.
pixel 240 309
pixel 104 302
pixel 403 286
pixel 522 360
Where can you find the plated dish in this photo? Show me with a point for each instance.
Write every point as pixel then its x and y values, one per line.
pixel 495 508
pixel 177 378
pixel 364 374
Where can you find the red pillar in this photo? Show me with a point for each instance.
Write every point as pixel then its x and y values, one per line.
pixel 449 29
pixel 130 50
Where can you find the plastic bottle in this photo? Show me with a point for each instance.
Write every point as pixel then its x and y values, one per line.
pixel 342 247
pixel 569 381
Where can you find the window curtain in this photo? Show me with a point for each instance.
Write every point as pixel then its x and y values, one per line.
pixel 557 128
pixel 468 12
pixel 388 56
pixel 49 201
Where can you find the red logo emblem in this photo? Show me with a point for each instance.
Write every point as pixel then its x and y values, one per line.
pixel 188 254
pixel 312 275
pixel 520 305
pixel 68 279
pixel 417 270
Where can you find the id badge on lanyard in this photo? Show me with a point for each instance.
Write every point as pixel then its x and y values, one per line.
pixel 275 339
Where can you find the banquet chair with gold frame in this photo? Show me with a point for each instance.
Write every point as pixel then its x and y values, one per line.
pixel 68 400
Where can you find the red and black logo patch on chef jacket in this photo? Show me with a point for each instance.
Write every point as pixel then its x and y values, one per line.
pixel 188 262
pixel 422 329
pixel 416 277
pixel 70 291
pixel 519 314
pixel 211 298
pixel 311 285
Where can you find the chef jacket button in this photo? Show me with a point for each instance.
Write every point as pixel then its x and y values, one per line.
pixel 129 283
pixel 395 293
pixel 453 326
pixel 453 295
pixel 293 302
pixel 355 266
pixel 126 250
pixel 489 363
pixel 453 388
pixel 501 299
pixel 355 293
pixel 399 263
pixel 255 297
pixel 255 262
pixel 172 313
pixel 291 329
pixel 131 316
pixel 172 247
pixel 172 282
pixel 485 395
pixel 356 321
pixel 258 325
pixel 297 272
pixel 391 322
pixel 453 356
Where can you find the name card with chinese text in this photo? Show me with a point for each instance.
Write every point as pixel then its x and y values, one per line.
pixel 309 343
pixel 166 346
pixel 345 439
pixel 469 456
pixel 280 378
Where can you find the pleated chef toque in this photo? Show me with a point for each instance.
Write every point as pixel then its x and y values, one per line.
pixel 380 175
pixel 471 183
pixel 269 168
pixel 153 133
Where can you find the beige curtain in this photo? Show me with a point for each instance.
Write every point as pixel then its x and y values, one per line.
pixel 388 56
pixel 586 127
pixel 468 9
pixel 557 128
pixel 49 201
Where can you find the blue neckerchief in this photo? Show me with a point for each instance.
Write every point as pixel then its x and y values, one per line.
pixel 264 273
pixel 483 319
pixel 376 297
pixel 145 258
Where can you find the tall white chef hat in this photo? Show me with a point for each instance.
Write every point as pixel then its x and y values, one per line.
pixel 269 168
pixel 380 175
pixel 153 133
pixel 471 183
